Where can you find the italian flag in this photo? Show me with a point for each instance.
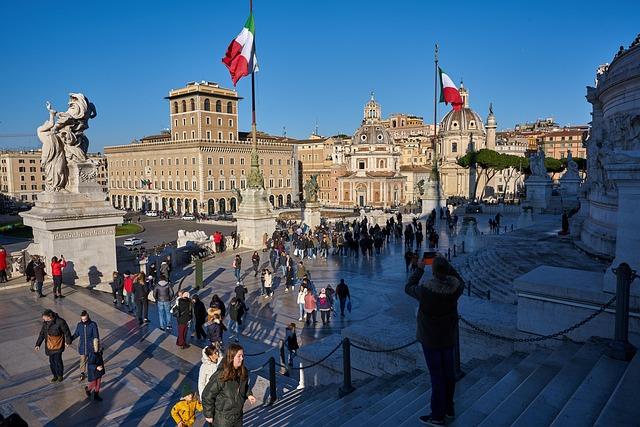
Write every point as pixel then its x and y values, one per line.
pixel 449 93
pixel 241 54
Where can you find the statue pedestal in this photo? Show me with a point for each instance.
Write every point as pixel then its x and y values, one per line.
pixel 254 218
pixel 78 224
pixel 311 214
pixel 538 192
pixel 433 198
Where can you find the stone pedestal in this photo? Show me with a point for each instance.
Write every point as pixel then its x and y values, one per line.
pixel 254 218
pixel 538 192
pixel 569 188
pixel 625 172
pixel 433 198
pixel 79 224
pixel 311 214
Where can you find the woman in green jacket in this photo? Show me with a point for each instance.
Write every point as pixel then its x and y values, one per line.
pixel 224 395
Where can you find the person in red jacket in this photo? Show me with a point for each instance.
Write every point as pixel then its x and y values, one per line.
pixel 56 274
pixel 3 265
pixel 128 291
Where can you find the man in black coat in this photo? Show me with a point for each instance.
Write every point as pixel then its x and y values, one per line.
pixel 342 291
pixel 55 333
pixel 436 331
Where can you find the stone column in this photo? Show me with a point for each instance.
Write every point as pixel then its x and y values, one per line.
pixel 624 170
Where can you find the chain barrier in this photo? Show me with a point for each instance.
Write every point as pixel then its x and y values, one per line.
pixel 300 368
pixel 543 337
pixel 389 350
pixel 259 368
pixel 258 354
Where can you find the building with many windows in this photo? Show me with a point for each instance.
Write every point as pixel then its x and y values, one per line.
pixel 22 177
pixel 199 165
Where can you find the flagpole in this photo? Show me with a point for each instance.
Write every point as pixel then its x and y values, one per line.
pixel 255 179
pixel 435 115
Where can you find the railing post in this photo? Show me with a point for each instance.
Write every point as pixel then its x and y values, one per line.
pixel 272 381
pixel 463 246
pixel 511 227
pixel 347 387
pixel 505 228
pixel 621 348
pixel 449 254
pixel 456 353
pixel 469 289
pixel 454 250
pixel 489 294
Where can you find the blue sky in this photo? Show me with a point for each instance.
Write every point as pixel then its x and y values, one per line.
pixel 319 60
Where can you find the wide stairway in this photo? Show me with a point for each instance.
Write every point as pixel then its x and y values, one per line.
pixel 576 385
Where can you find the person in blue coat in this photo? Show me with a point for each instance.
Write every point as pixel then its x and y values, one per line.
pixel 86 331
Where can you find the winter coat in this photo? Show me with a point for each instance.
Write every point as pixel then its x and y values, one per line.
pixel 207 369
pixel 199 312
pixel 87 332
pixel 185 412
pixel 56 327
pixel 3 259
pixel 118 283
pixel 28 271
pixel 241 292
pixel 342 290
pixel 324 303
pixel 223 401
pixel 140 291
pixel 214 331
pixel 268 280
pixel 219 305
pixel 163 292
pixel 127 284
pixel 56 267
pixel 236 311
pixel 438 312
pixel 309 302
pixel 184 311
pixel 255 260
pixel 301 294
pixel 301 272
pixel 165 269
pixel 94 360
pixel 39 271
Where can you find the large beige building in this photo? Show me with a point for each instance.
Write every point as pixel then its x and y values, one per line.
pixel 22 177
pixel 201 163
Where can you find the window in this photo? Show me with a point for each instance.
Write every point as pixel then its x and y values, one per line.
pixel 229 107
pixel 175 107
pixel 208 120
pixel 232 184
pixel 193 120
pixel 243 184
pixel 193 104
pixel 184 106
pixel 176 136
pixel 361 164
pixel 193 134
pixel 279 182
pixel 230 136
pixel 33 169
pixel 177 185
pixel 270 183
pixel 209 161
pixel 454 147
pixel 221 161
pixel 233 172
pixel 220 135
pixel 184 121
pixel 170 185
pixel 193 160
pixel 177 162
pixel 242 160
pixel 186 185
pixel 230 123
pixel 270 162
pixel 208 133
pixel 207 106
pixel 218 106
pixel 221 184
pixel 232 161
pixel 219 121
pixel 184 135
pixel 169 162
pixel 184 161
pixel 162 185
pixel 22 169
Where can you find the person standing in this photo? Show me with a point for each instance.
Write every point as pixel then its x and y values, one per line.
pixel 38 274
pixel 86 331
pixel 255 261
pixel 184 412
pixel 324 304
pixel 241 291
pixel 236 312
pixel 302 292
pixel 117 285
pixel 210 361
pixel 310 307
pixel 342 291
pixel 216 302
pixel 127 285
pixel 54 333
pixel 300 273
pixel 3 264
pixel 199 317
pixel 291 341
pixel 436 331
pixel 214 328
pixel 95 371
pixel 237 266
pixel 183 318
pixel 165 270
pixel 141 293
pixel 163 294
pixel 56 273
pixel 268 283
pixel 228 389
pixel 29 275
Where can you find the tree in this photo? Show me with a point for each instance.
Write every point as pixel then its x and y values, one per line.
pixel 488 163
pixel 515 167
pixel 553 166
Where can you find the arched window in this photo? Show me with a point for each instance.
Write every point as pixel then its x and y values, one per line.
pixel 229 107
pixel 218 106
pixel 207 105
pixel 454 147
pixel 175 107
pixel 184 105
pixel 193 104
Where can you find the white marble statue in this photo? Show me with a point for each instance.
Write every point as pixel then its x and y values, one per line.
pixel 572 168
pixel 63 140
pixel 536 164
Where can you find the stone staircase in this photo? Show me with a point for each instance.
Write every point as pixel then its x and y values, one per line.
pixel 577 385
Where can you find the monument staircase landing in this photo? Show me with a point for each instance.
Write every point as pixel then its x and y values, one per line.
pixel 575 384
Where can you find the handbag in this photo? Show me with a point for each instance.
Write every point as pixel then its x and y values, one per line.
pixel 349 306
pixel 174 309
pixel 55 343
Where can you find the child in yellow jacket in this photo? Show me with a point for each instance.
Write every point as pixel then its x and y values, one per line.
pixel 184 412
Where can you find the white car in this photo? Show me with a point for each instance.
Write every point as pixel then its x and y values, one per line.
pixel 132 241
pixel 151 213
pixel 188 217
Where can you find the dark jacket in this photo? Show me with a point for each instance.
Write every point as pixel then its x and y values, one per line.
pixel 140 291
pixel 184 311
pixel 118 283
pixel 94 360
pixel 86 332
pixel 218 304
pixel 223 401
pixel 163 292
pixel 241 292
pixel 342 290
pixel 39 271
pixel 438 311
pixel 214 331
pixel 56 327
pixel 236 311
pixel 199 312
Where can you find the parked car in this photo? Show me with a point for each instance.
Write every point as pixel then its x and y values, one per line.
pixel 188 217
pixel 132 241
pixel 151 213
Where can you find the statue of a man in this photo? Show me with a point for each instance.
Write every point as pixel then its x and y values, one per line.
pixel 311 189
pixel 53 161
pixel 536 164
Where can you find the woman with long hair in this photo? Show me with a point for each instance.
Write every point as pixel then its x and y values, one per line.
pixel 227 390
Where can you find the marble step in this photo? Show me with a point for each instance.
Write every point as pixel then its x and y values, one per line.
pixel 622 408
pixel 511 407
pixel 488 401
pixel 546 406
pixel 586 403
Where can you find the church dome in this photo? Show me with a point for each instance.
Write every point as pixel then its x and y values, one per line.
pixel 372 134
pixel 463 120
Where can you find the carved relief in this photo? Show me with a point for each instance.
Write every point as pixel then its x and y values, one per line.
pixel 77 234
